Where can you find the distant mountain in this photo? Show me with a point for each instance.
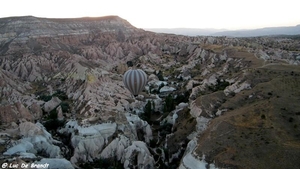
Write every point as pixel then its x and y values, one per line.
pixel 287 30
pixel 186 31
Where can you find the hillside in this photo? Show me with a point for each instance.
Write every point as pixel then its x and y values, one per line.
pixel 268 31
pixel 220 102
pixel 288 30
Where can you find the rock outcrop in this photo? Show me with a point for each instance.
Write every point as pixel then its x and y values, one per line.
pixel 35 140
pixel 15 113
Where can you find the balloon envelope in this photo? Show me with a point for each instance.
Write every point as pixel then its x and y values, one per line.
pixel 135 80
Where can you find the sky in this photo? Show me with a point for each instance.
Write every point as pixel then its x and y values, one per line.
pixel 217 14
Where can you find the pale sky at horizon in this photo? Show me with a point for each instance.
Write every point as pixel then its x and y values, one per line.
pixel 218 14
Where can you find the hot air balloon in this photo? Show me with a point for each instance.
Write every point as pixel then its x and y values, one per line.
pixel 135 80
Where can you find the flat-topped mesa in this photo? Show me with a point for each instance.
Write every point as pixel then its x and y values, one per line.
pixel 21 28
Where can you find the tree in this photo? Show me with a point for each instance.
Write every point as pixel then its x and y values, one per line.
pixel 153 106
pixel 129 63
pixel 147 111
pixel 160 75
pixel 169 104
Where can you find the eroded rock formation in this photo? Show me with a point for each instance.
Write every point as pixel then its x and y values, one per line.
pixel 62 99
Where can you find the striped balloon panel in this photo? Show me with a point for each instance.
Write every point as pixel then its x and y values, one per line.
pixel 135 80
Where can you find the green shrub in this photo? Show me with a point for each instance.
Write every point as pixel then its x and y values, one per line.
pixel 52 115
pixel 65 107
pixel 61 95
pixel 45 98
pixel 147 111
pixel 221 85
pixel 54 124
pixel 169 104
pixel 153 143
pixel 160 75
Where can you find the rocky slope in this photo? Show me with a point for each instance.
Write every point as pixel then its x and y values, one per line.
pixel 213 102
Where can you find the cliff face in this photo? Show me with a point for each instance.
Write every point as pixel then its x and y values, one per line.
pixel 67 74
pixel 29 26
